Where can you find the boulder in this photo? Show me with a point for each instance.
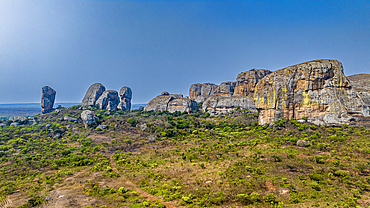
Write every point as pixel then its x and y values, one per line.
pixel 182 105
pixel 47 99
pixel 126 95
pixel 109 100
pixel 225 89
pixel 200 92
pixel 361 84
pixel 246 81
pixel 70 119
pixel 302 143
pixel 219 104
pixel 93 94
pixel 311 89
pixel 89 117
pixel 160 103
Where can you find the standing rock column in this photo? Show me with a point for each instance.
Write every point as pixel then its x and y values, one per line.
pixel 47 99
pixel 126 96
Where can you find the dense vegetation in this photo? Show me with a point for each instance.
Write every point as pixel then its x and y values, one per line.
pixel 159 159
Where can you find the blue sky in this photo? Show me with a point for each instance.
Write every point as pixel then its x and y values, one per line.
pixel 155 46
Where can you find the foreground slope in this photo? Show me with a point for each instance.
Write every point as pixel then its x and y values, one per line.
pixel 161 159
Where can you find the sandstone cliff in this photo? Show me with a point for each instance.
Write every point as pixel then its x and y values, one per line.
pixel 171 103
pixel 220 104
pixel 200 92
pixel 361 84
pixel 47 99
pixel 246 81
pixel 225 89
pixel 312 89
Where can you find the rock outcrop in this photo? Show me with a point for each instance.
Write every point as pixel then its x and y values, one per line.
pixel 171 103
pixel 126 95
pixel 225 89
pixel 109 100
pixel 93 94
pixel 47 99
pixel 200 92
pixel 246 81
pixel 220 104
pixel 182 105
pixel 89 117
pixel 312 89
pixel 361 84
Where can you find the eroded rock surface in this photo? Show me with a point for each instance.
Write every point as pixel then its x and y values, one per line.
pixel 220 104
pixel 109 100
pixel 171 103
pixel 225 89
pixel 247 81
pixel 361 84
pixel 126 96
pixel 182 105
pixel 312 89
pixel 200 92
pixel 93 94
pixel 47 99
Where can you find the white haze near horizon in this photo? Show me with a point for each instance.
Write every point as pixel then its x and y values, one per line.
pixel 155 46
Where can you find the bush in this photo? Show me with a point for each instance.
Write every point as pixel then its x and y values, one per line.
pixel 271 198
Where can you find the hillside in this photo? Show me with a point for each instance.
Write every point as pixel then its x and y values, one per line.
pixel 161 159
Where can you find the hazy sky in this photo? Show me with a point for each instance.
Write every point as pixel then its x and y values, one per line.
pixel 155 46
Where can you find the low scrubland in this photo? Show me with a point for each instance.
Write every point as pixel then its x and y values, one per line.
pixel 162 159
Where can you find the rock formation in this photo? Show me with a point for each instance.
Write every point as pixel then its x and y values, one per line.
pixel 220 104
pixel 225 89
pixel 200 92
pixel 246 81
pixel 47 99
pixel 312 89
pixel 361 84
pixel 171 103
pixel 93 94
pixel 126 95
pixel 88 117
pixel 109 100
pixel 182 105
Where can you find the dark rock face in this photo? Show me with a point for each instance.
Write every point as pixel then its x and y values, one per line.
pixel 171 103
pixel 47 99
pixel 225 89
pixel 200 92
pixel 126 95
pixel 93 94
pixel 246 81
pixel 361 84
pixel 219 104
pixel 89 117
pixel 312 89
pixel 109 100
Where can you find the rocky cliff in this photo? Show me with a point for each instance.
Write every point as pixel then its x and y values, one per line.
pixel 220 104
pixel 200 92
pixel 361 84
pixel 225 89
pixel 47 99
pixel 312 89
pixel 171 103
pixel 246 81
